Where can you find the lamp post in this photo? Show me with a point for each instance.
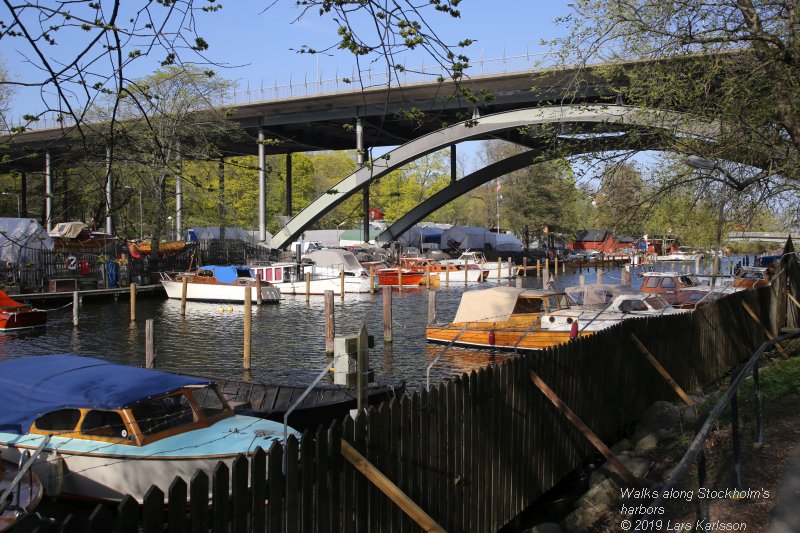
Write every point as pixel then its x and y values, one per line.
pixel 172 225
pixel 141 210
pixel 13 194
pixel 703 163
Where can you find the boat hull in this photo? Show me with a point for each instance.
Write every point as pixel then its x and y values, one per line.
pixel 352 284
pixel 391 278
pixel 490 335
pixel 208 292
pixel 11 321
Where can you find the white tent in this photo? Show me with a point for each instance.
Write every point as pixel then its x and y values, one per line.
pixel 21 239
pixel 503 242
pixel 463 237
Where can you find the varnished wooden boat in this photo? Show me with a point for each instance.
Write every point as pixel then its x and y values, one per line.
pixel 326 402
pixel 144 247
pixel 391 277
pixel 454 273
pixel 503 318
pixel 16 316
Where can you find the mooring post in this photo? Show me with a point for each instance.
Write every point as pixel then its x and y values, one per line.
pixel 341 284
pixel 447 276
pixel 538 268
pixel 308 287
pixel 525 267
pixel 519 282
pixel 428 276
pixel 599 276
pixel 387 314
pixel 248 318
pixel 509 267
pixel 431 307
pixel 581 280
pixel 258 289
pixel 499 268
pixel 363 368
pixel 184 285
pixel 466 268
pixel 133 302
pixel 400 278
pixel 149 345
pixel 329 325
pixel 555 261
pixel 75 308
pixel 372 279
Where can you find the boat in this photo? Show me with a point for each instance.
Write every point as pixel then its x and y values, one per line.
pixel 106 430
pixel 394 277
pixel 77 236
pixel 332 262
pixel 24 493
pixel 325 402
pixel 476 259
pixel 750 277
pixel 503 318
pixel 454 273
pixel 143 247
pixel 682 290
pixel 213 283
pixel 680 255
pixel 289 279
pixel 16 316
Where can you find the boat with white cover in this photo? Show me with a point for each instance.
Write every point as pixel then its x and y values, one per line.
pixel 476 259
pixel 212 283
pixel 289 279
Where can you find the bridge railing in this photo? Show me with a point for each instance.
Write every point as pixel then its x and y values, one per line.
pixel 317 83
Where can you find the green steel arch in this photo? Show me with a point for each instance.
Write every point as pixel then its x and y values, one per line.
pixel 483 127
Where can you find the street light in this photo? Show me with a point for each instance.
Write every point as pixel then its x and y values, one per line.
pixel 13 194
pixel 141 210
pixel 172 220
pixel 703 163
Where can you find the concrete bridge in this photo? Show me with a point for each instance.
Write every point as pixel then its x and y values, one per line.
pixel 761 236
pixel 592 119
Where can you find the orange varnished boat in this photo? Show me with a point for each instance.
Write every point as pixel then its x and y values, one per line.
pixel 391 277
pixel 15 316
pixel 144 247
pixel 505 318
pixel 453 272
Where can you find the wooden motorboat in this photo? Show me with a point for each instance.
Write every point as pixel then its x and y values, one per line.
pixel 143 247
pixel 212 283
pixel 682 290
pixel 394 277
pixel 107 430
pixel 16 316
pixel 504 318
pixel 749 277
pixel 453 272
pixel 289 278
pixel 23 497
pixel 325 402
pixel 476 259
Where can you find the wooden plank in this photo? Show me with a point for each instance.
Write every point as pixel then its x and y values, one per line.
pixel 335 476
pixel 153 511
pixel 395 449
pixel 240 494
pixel 127 515
pixel 661 370
pixel 380 460
pixel 276 481
pixel 434 477
pixel 443 485
pixel 372 455
pixel 405 464
pixel 348 490
pixel 322 507
pixel 567 412
pixel 423 454
pixel 176 511
pixel 764 329
pixel 220 486
pixel 457 416
pixel 198 496
pixel 307 482
pixel 470 466
pixel 362 488
pixel 485 450
pixel 292 496
pixel 415 462
pixel 258 483
pixel 389 489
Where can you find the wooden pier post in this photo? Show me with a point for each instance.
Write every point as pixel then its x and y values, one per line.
pixel 363 368
pixel 509 267
pixel 525 267
pixel 545 278
pixel 599 275
pixel 447 276
pixel 248 321
pixel 258 289
pixel 183 294
pixel 133 302
pixel 431 306
pixel 341 283
pixel 428 276
pixel 466 267
pixel 149 344
pixel 400 278
pixel 308 286
pixel 499 268
pixel 582 280
pixel 387 314
pixel 372 279
pixel 75 308
pixel 538 268
pixel 556 265
pixel 519 282
pixel 330 329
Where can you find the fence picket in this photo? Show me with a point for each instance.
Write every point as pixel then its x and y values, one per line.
pixel 176 511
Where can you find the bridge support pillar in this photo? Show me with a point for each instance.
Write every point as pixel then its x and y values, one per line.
pixel 360 141
pixel 453 172
pixel 109 192
pixel 262 187
pixel 23 195
pixel 288 185
pixel 48 191
pixel 366 213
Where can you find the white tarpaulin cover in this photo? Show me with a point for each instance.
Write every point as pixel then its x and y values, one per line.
pixel 68 230
pixel 492 305
pixel 463 237
pixel 503 242
pixel 418 235
pixel 20 238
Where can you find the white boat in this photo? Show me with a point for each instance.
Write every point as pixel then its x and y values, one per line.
pixel 332 261
pixel 218 284
pixel 290 279
pixel 680 255
pixel 106 430
pixel 476 259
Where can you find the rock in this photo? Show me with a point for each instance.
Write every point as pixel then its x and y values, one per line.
pixel 660 415
pixel 547 527
pixel 621 446
pixel 647 443
pixel 637 465
pixel 602 494
pixel 689 416
pixel 583 517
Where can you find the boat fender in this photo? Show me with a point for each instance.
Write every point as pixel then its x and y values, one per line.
pixel 491 337
pixel 573 330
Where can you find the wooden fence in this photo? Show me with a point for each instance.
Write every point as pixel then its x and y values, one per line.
pixel 475 451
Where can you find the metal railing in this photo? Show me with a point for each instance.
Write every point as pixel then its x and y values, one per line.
pixel 695 453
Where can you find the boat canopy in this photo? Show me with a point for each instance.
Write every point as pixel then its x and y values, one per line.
pixel 497 304
pixel 595 296
pixel 33 386
pixel 333 258
pixel 226 274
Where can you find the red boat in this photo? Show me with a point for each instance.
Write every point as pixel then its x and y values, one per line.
pixel 16 316
pixel 391 277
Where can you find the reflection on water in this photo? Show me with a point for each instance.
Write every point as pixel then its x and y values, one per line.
pixel 288 341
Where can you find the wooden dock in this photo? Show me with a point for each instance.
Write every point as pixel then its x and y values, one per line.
pixel 155 289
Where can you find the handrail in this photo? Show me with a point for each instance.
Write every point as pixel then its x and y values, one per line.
pixel 695 450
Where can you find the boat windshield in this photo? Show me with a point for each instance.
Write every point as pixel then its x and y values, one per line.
pixel 657 302
pixel 209 401
pixel 689 281
pixel 161 414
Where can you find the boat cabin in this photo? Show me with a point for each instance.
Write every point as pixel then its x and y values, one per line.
pixel 507 304
pixel 748 277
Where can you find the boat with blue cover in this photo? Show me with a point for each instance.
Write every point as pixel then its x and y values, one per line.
pixel 214 283
pixel 106 430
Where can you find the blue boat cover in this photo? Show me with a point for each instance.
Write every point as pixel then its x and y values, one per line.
pixel 228 274
pixel 33 386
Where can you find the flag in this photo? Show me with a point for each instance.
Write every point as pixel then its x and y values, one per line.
pixel 496 185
